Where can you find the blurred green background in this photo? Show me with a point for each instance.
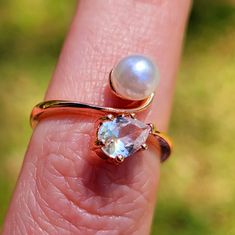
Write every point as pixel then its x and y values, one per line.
pixel 197 189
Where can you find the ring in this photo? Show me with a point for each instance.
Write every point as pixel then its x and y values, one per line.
pixel 119 134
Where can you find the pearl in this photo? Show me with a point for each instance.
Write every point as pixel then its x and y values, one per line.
pixel 135 77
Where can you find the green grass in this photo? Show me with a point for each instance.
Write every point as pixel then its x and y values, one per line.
pixel 197 190
pixel 30 41
pixel 197 186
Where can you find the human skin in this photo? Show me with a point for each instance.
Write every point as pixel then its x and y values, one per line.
pixel 63 187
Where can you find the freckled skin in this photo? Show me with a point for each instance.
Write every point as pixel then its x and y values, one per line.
pixel 64 188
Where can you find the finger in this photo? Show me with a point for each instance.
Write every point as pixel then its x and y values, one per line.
pixel 63 188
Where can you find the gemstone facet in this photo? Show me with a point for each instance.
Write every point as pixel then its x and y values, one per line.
pixel 122 136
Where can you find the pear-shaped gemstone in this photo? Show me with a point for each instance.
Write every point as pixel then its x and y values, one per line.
pixel 122 136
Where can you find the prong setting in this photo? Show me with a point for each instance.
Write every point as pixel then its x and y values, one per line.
pixel 144 146
pixel 98 143
pixel 132 115
pixel 153 128
pixel 122 115
pixel 119 158
pixel 108 117
pixel 120 136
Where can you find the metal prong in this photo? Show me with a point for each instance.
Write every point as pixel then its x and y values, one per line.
pixel 153 128
pixel 109 117
pixel 133 115
pixel 119 158
pixel 144 146
pixel 98 143
pixel 122 115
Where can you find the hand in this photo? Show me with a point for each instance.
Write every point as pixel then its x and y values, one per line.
pixel 63 188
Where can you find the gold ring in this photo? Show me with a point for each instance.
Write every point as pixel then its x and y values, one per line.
pixel 119 134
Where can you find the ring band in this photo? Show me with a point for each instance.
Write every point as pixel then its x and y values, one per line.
pixel 51 107
pixel 119 134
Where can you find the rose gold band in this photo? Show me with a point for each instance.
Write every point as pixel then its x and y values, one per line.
pixel 55 107
pixel 51 107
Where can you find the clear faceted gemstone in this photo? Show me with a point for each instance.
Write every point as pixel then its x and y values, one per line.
pixel 122 136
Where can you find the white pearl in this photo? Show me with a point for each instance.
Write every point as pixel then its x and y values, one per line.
pixel 135 77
